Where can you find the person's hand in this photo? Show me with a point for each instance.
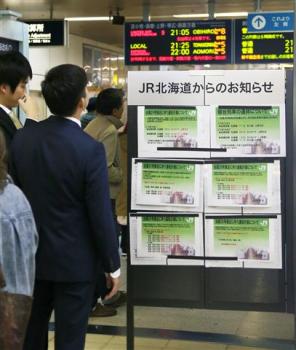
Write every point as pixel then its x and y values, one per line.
pixel 30 107
pixel 113 285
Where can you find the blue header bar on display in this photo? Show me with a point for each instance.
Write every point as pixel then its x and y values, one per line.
pixel 271 22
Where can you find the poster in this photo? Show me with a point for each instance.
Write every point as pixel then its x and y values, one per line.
pixel 156 236
pixel 167 183
pixel 254 241
pixel 240 185
pixel 249 131
pixel 173 185
pixel 173 128
pixel 233 191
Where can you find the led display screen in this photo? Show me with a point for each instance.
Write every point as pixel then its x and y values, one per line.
pixel 190 42
pixel 272 47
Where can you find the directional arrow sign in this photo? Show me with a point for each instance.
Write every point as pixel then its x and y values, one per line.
pixel 271 22
pixel 258 22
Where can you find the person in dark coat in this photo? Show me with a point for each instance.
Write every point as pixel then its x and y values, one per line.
pixel 15 72
pixel 63 173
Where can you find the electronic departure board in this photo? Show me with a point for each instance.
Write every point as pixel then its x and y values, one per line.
pixel 272 47
pixel 190 42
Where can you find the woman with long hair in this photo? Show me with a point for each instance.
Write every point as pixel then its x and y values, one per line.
pixel 18 244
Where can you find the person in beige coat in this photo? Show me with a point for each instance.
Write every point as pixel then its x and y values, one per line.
pixel 104 128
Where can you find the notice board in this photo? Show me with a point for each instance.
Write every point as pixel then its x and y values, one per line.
pixel 209 222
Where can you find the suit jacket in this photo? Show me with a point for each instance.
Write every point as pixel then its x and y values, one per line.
pixel 63 173
pixel 8 128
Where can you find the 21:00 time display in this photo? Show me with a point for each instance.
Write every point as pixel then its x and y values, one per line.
pixel 178 42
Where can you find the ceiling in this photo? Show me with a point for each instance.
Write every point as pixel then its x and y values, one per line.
pixel 133 10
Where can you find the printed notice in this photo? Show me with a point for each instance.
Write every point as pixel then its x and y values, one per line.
pixel 240 184
pixel 172 128
pixel 244 238
pixel 255 241
pixel 168 235
pixel 249 131
pixel 173 184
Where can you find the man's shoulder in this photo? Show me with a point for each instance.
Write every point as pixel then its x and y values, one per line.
pixel 13 201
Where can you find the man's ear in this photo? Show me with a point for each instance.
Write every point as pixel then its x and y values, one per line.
pixel 4 88
pixel 81 103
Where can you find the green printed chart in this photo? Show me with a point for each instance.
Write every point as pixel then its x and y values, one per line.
pixel 174 184
pixel 171 127
pixel 168 235
pixel 240 184
pixel 248 130
pixel 244 238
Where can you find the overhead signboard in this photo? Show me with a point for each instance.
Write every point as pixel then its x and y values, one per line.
pixel 179 42
pixel 272 47
pixel 271 21
pixel 47 33
pixel 8 45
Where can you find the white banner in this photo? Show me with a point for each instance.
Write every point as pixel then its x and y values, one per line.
pixel 198 88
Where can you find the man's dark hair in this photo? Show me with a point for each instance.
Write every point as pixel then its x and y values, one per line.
pixel 14 68
pixel 91 107
pixel 63 87
pixel 109 99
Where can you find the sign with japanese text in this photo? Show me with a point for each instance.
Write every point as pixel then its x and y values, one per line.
pixel 161 235
pixel 156 238
pixel 271 47
pixel 167 183
pixel 240 185
pixel 271 21
pixel 47 33
pixel 251 131
pixel 172 127
pixel 178 42
pixel 255 241
pixel 198 88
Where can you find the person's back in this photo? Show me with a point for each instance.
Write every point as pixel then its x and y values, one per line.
pixel 64 174
pixel 18 244
pixel 18 237
pixel 60 210
pixel 103 128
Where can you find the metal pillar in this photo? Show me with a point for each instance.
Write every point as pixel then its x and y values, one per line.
pixel 294 175
pixel 258 5
pixel 146 12
pixel 211 9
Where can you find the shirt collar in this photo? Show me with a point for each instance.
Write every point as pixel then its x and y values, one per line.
pixel 75 120
pixel 6 110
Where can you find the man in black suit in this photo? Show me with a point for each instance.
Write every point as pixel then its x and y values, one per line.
pixel 15 72
pixel 63 173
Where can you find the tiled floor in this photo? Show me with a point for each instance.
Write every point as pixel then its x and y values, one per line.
pixel 236 323
pixel 104 342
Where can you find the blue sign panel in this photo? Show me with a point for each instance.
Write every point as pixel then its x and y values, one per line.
pixel 271 22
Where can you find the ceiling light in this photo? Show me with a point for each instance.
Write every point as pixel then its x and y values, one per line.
pixel 217 14
pixel 186 15
pixel 70 19
pixel 231 14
